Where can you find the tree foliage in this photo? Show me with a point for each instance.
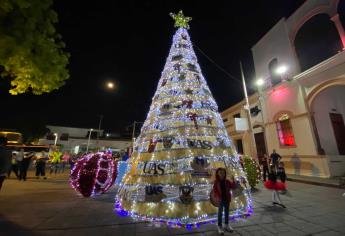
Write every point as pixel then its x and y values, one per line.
pixel 32 131
pixel 31 51
pixel 252 170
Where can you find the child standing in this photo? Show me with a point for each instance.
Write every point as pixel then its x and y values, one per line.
pixel 221 188
pixel 273 185
pixel 281 172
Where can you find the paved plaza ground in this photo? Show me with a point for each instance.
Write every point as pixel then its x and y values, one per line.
pixel 52 207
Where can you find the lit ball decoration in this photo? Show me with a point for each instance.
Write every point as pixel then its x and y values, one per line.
pixel 93 174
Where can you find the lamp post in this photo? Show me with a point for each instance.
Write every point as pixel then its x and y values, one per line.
pixel 110 85
pixel 133 131
pixel 56 137
pixel 88 141
pixel 253 144
pixel 99 126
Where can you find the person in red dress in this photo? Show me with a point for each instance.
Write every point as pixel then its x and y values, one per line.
pixel 273 185
pixel 221 188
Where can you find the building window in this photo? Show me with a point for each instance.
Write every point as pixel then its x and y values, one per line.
pixel 284 130
pixel 239 146
pixel 272 68
pixel 50 136
pixel 237 115
pixel 64 137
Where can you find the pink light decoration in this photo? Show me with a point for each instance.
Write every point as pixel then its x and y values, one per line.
pixel 93 174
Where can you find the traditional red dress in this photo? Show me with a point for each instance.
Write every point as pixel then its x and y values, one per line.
pixel 273 184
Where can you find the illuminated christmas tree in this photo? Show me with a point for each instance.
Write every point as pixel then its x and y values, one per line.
pixel 182 142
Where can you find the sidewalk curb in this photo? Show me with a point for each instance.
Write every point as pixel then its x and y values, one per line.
pixel 315 183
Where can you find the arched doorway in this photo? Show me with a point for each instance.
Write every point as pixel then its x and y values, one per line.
pixel 328 111
pixel 260 142
pixel 317 40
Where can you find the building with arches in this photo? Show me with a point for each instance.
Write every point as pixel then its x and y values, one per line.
pixel 301 100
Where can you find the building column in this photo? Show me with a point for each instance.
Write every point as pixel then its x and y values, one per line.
pixel 340 28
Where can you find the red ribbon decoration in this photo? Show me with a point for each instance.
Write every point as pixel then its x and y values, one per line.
pixel 193 117
pixel 152 146
pixel 189 103
pixel 164 82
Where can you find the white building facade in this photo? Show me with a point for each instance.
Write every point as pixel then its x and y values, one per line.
pixel 300 113
pixel 77 140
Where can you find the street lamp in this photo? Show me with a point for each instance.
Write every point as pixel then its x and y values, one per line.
pixel 88 141
pixel 133 131
pixel 110 85
pixel 56 137
pixel 250 123
pixel 281 69
pixel 259 82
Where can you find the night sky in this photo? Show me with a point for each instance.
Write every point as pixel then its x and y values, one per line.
pixel 128 42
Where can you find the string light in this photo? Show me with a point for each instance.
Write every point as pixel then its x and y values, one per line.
pixel 182 142
pixel 93 174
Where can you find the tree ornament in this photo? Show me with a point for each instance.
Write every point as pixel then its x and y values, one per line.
pixel 176 58
pixel 164 82
pixel 152 146
pixel 200 165
pixel 187 103
pixel 182 77
pixel 168 142
pixel 93 174
pixel 181 20
pixel 209 120
pixel 188 91
pixel 177 67
pixel 197 77
pixel 193 117
pixel 186 194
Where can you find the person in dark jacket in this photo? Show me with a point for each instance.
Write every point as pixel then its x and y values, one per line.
pixel 275 159
pixel 25 165
pixel 221 188
pixel 5 160
pixel 264 163
pixel 281 172
pixel 14 166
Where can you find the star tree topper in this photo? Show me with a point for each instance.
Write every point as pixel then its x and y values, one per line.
pixel 181 20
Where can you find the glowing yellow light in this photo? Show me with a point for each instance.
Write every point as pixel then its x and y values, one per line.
pixel 110 85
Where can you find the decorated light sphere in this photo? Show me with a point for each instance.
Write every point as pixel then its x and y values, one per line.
pixel 93 174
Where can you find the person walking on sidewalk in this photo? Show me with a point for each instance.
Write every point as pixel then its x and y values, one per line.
pixel 14 166
pixel 273 185
pixel 65 159
pixel 41 159
pixel 264 164
pixel 281 172
pixel 221 188
pixel 25 165
pixel 275 159
pixel 19 160
pixel 5 160
pixel 55 161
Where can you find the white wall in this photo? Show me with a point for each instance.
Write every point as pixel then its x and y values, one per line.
pixel 287 96
pixel 73 132
pixel 72 143
pixel 275 44
pixel 325 101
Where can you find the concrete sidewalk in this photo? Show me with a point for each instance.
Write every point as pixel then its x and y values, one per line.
pixel 52 207
pixel 326 182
